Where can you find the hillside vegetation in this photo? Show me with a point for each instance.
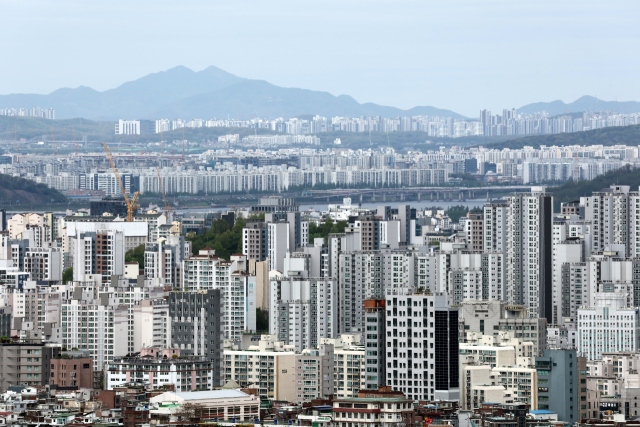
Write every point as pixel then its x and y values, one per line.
pixel 18 190
pixel 625 135
pixel 571 191
pixel 34 128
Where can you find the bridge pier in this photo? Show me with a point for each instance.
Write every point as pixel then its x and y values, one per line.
pixel 402 197
pixel 418 196
pixel 384 197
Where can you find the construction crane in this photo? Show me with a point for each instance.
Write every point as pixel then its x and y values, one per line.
pixel 132 205
pixel 167 206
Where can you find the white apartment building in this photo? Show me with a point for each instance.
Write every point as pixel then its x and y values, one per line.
pixel 349 365
pixel 495 225
pixel 565 252
pixel 89 325
pixel 163 260
pixel 422 345
pixel 43 263
pixel 98 253
pixel 135 233
pixel 609 326
pixel 126 292
pixel 497 368
pixel 151 324
pixel 239 290
pixel 303 310
pixel 615 220
pixel 529 251
pixel 277 244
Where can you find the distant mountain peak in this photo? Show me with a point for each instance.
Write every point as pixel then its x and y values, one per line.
pixel 180 92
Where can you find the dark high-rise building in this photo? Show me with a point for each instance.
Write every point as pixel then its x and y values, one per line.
pixel 196 326
pixel 116 207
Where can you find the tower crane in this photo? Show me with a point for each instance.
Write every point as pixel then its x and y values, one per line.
pixel 167 206
pixel 132 205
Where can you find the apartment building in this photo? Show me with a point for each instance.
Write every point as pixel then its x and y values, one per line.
pixel 254 240
pixel 68 370
pixel 128 292
pixel 96 327
pixel 269 367
pixel 303 310
pixel 155 221
pixel 366 275
pixel 495 225
pixel 151 324
pixel 528 252
pixel 160 368
pixel 163 260
pixel 197 326
pixel 44 264
pixel 99 253
pixel 375 343
pixel 493 317
pixel 27 362
pixel 134 233
pixel 474 228
pixel 422 345
pixel 562 384
pixel 497 369
pixel 206 271
pixel 369 226
pixel 612 215
pixel 349 367
pixel 609 326
pixel 314 373
pixel 277 244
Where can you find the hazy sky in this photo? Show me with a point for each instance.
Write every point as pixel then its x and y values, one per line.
pixel 456 54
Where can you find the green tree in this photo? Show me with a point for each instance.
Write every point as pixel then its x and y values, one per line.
pixel 135 255
pixel 329 227
pixel 223 238
pixel 67 276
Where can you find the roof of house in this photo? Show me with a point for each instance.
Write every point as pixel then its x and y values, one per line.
pixel 210 394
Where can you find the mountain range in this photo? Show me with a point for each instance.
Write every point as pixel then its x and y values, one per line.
pixel 214 93
pixel 584 103
pixel 211 93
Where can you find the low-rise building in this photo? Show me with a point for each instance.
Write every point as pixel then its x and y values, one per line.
pixel 160 368
pixel 372 411
pixel 214 404
pixel 71 371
